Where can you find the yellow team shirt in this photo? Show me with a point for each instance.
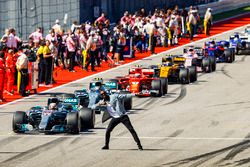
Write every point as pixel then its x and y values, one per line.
pixel 40 50
pixel 46 50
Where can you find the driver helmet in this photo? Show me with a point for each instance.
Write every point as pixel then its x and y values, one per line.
pixel 137 75
pixel 191 50
pixel 169 60
pixel 52 106
pixel 98 85
pixel 212 44
pixel 236 39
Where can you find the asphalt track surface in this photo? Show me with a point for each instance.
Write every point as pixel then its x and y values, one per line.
pixel 202 124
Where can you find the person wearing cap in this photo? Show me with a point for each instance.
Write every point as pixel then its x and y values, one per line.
pixel 208 20
pixel 2 75
pixel 10 70
pixel 57 27
pixel 115 107
pixel 22 67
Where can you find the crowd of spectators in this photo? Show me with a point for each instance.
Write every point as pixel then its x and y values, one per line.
pixel 91 44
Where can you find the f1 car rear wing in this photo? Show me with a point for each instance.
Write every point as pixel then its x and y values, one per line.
pixel 81 93
pixel 144 71
pixel 109 85
pixel 178 59
pixel 72 101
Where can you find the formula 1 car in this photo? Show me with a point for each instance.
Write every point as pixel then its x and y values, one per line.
pixel 173 67
pixel 67 117
pixel 196 57
pixel 221 51
pixel 91 97
pixel 241 42
pixel 143 82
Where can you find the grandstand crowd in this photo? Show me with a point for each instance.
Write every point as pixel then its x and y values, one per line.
pixel 88 45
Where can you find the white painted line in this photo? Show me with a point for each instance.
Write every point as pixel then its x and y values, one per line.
pixel 125 65
pixel 91 136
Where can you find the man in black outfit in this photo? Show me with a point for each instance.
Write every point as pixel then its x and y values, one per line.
pixel 115 108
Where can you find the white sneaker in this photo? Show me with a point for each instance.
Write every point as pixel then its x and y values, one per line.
pixel 49 86
pixel 8 93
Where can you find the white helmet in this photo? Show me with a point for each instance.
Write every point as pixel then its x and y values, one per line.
pixel 52 106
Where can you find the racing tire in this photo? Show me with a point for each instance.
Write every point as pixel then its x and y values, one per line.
pixel 83 101
pixel 86 118
pixel 72 125
pixel 128 103
pixel 206 65
pixel 247 45
pixel 184 76
pixel 164 83
pixel 236 51
pixel 228 55
pixel 240 52
pixel 233 53
pixel 213 63
pixel 192 73
pixel 19 117
pixel 156 85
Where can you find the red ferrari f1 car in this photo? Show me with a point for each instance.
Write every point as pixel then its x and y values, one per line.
pixel 143 82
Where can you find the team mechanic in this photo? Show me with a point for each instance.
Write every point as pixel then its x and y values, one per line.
pixel 116 110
